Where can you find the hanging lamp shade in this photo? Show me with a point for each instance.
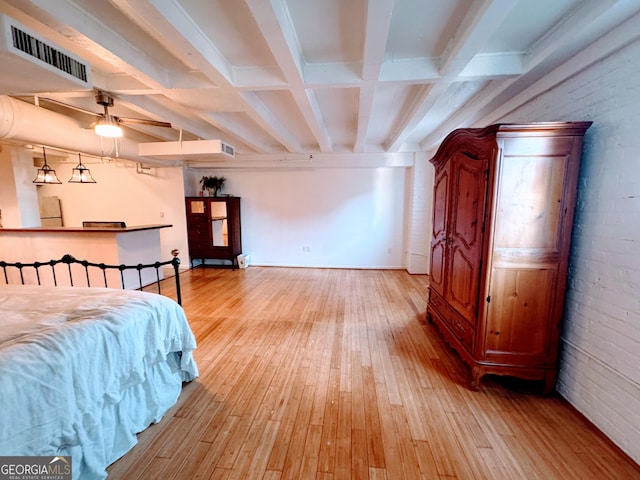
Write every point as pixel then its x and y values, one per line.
pixel 81 174
pixel 46 174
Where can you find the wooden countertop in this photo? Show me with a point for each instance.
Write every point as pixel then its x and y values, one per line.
pixel 135 228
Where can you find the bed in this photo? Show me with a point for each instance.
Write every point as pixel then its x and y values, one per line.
pixel 84 369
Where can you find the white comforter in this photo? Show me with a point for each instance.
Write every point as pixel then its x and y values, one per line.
pixel 68 355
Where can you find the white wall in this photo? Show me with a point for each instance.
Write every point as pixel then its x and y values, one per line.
pixel 310 216
pixel 600 360
pixel 419 221
pixel 347 217
pixel 18 194
pixel 121 194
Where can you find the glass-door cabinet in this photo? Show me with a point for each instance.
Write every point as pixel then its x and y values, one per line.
pixel 213 229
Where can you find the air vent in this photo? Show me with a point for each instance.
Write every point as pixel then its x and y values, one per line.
pixel 228 149
pixel 34 65
pixel 48 54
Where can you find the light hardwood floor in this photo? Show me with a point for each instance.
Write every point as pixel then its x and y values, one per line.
pixel 334 374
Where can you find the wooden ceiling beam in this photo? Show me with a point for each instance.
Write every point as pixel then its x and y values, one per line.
pixel 480 22
pixel 278 31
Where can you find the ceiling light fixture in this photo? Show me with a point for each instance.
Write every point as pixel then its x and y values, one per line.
pixel 81 174
pixel 46 174
pixel 108 127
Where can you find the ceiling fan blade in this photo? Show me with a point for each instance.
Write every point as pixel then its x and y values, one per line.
pixel 105 100
pixel 69 106
pixel 142 121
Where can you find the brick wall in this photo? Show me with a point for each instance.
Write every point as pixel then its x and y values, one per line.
pixel 420 200
pixel 600 359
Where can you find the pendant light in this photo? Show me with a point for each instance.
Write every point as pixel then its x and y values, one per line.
pixel 81 174
pixel 46 174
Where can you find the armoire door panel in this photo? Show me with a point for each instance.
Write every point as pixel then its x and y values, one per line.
pixel 468 188
pixel 439 235
pixel 440 203
pixel 436 277
pixel 519 312
pixel 530 202
pixel 468 209
pixel 462 286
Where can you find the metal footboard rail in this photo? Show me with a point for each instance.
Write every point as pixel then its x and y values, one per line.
pixel 69 260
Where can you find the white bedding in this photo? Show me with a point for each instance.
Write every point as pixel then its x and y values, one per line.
pixel 82 370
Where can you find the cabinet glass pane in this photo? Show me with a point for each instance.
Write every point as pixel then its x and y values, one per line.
pixel 219 227
pixel 197 206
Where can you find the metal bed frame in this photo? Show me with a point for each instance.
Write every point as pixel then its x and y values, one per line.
pixel 69 260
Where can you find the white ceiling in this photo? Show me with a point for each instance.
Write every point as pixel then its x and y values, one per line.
pixel 313 76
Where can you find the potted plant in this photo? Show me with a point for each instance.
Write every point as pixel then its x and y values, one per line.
pixel 212 185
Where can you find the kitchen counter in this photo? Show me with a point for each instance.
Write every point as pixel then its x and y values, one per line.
pixel 136 228
pixel 132 245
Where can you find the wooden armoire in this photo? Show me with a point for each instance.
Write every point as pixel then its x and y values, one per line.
pixel 503 207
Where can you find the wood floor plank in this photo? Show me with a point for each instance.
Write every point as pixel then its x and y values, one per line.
pixel 218 445
pixel 309 466
pixel 326 459
pixel 442 444
pixel 358 412
pixel 343 463
pixel 390 435
pixel 375 446
pixel 285 432
pixel 295 454
pixel 323 373
pixel 189 466
pixel 408 457
pixel 377 474
pixel 426 463
pixel 359 455
pixel 256 450
pixel 333 374
pixel 410 401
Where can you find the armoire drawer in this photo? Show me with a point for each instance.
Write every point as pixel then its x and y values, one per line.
pixel 460 328
pixel 436 301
